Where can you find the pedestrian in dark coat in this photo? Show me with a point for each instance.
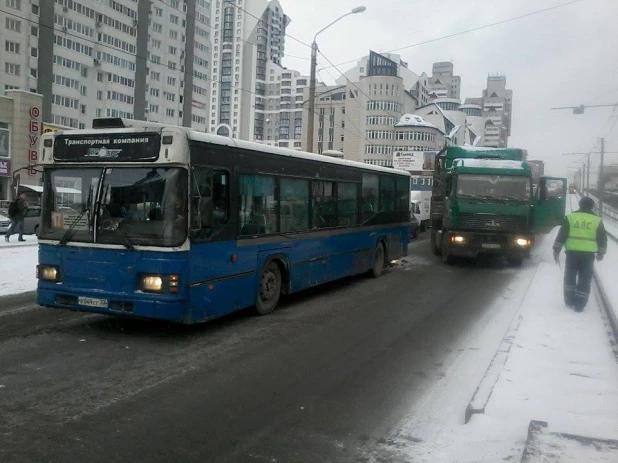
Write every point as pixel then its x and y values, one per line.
pixel 17 218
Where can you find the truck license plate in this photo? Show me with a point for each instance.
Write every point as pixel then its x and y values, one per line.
pixel 92 302
pixel 490 246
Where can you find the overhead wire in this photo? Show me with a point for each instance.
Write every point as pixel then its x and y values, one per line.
pixel 475 29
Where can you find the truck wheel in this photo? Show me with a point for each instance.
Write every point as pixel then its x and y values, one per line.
pixel 434 242
pixel 378 261
pixel 515 261
pixel 269 290
pixel 447 258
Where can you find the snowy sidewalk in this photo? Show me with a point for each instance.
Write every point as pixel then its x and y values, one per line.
pixel 18 265
pixel 560 369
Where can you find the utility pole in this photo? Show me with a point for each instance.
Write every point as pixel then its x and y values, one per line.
pixel 588 173
pixel 311 119
pixel 601 180
pixel 312 78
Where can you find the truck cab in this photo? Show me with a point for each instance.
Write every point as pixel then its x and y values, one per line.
pixel 484 202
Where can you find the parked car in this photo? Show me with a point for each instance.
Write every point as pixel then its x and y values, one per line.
pixel 31 221
pixel 4 223
pixel 414 226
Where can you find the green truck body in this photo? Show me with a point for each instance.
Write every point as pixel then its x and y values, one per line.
pixel 483 201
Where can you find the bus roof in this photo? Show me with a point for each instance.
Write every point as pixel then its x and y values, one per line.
pixel 119 125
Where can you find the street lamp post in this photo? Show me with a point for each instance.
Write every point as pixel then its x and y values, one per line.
pixel 314 63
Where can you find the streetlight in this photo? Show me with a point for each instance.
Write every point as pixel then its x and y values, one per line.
pixel 314 63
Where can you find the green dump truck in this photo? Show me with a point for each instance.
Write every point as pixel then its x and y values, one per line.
pixel 483 201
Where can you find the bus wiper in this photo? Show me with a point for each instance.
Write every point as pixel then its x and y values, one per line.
pixel 69 233
pixel 126 241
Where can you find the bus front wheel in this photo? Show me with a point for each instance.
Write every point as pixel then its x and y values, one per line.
pixel 270 289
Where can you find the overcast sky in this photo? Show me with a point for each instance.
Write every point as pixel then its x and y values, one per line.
pixel 563 57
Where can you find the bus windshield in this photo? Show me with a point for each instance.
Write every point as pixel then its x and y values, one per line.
pixel 493 187
pixel 119 205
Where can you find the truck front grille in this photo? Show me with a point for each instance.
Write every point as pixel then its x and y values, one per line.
pixel 492 222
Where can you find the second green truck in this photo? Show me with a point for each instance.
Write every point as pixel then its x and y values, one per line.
pixel 483 201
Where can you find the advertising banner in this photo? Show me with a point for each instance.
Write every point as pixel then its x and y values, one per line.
pixel 408 160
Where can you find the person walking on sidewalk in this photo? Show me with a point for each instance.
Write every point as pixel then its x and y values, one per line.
pixel 583 235
pixel 17 213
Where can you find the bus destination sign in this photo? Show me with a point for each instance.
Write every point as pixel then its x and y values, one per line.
pixel 117 147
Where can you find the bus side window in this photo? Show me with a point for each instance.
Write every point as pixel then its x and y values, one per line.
pixel 369 196
pixel 209 200
pixel 258 212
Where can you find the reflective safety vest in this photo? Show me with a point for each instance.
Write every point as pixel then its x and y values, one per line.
pixel 582 232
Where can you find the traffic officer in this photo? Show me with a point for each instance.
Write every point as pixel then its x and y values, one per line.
pixel 582 234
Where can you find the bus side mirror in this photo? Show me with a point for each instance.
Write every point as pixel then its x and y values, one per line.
pixel 15 185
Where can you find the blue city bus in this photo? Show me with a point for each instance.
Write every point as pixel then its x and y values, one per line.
pixel 186 226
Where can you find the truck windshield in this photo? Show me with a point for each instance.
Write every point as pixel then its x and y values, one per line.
pixel 493 187
pixel 127 206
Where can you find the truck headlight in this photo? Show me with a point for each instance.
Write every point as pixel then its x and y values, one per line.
pixel 48 273
pixel 458 239
pixel 152 283
pixel 523 242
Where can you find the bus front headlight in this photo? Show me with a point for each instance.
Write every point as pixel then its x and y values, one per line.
pixel 152 283
pixel 48 273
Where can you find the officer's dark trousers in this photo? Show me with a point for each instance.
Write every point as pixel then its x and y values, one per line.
pixel 577 278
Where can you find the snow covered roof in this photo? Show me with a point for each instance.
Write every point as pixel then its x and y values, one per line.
pixel 489 163
pixel 479 148
pixel 412 120
pixel 59 189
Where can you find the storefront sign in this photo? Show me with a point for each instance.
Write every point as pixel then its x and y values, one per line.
pixel 5 167
pixel 34 133
pixel 47 128
pixel 5 140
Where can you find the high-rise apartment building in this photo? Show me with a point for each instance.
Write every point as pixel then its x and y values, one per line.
pixel 248 35
pixel 443 83
pixel 141 59
pixel 497 109
pixel 281 116
pixel 358 117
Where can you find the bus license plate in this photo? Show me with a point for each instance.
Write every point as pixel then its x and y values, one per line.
pixel 490 246
pixel 92 302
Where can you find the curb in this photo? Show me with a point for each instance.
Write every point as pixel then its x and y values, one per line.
pixel 483 391
pixel 541 445
pixel 607 305
pixel 13 246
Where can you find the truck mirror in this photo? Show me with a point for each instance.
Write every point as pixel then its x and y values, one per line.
pixel 542 189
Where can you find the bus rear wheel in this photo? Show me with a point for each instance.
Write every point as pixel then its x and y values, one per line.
pixel 270 289
pixel 378 261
